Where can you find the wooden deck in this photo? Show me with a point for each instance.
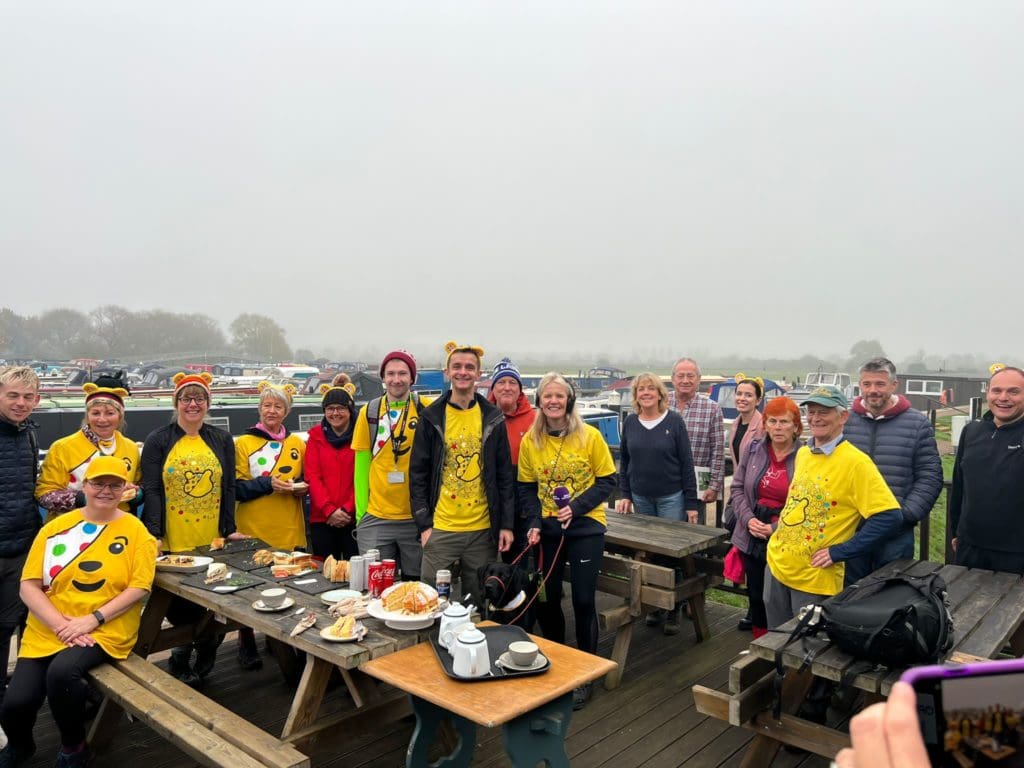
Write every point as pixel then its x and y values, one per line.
pixel 649 720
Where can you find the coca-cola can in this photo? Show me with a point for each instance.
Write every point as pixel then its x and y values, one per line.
pixel 375 579
pixel 389 573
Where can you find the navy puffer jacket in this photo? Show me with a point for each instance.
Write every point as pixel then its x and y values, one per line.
pixel 902 445
pixel 19 516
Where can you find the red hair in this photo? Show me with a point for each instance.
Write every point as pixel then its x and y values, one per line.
pixel 783 406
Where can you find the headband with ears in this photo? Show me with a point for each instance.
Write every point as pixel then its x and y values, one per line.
pixel 93 391
pixel 739 378
pixel 287 389
pixel 569 403
pixel 451 348
pixel 995 368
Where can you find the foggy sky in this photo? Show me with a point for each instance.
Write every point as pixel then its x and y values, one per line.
pixel 752 177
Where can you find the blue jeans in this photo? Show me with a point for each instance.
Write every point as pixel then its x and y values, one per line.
pixel 670 507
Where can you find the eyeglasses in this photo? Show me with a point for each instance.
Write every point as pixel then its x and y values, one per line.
pixel 335 409
pixel 196 400
pixel 115 485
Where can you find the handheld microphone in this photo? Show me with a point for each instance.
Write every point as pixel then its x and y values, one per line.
pixel 562 498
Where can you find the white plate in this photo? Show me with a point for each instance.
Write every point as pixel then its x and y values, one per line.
pixel 505 660
pixel 259 606
pixel 199 564
pixel 360 633
pixel 400 620
pixel 338 594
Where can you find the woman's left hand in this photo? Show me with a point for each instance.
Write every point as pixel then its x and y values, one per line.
pixel 533 536
pixel 76 628
pixel 565 514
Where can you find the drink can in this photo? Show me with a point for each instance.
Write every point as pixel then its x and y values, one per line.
pixel 372 555
pixel 375 580
pixel 389 573
pixel 356 573
pixel 443 584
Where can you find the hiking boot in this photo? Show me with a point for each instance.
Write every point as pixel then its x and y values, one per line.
pixel 206 654
pixel 17 754
pixel 581 695
pixel 77 759
pixel 656 617
pixel 671 625
pixel 248 655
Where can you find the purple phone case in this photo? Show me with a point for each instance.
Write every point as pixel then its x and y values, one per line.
pixel 916 675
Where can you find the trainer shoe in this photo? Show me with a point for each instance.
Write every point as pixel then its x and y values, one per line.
pixel 656 617
pixel 581 695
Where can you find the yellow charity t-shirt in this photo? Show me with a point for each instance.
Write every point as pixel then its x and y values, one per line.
pixel 827 499
pixel 462 501
pixel 68 458
pixel 83 566
pixel 276 518
pixel 192 478
pixel 390 450
pixel 573 462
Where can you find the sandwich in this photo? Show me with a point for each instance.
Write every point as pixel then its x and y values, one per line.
pixel 262 557
pixel 216 544
pixel 336 570
pixel 282 558
pixel 216 572
pixel 285 570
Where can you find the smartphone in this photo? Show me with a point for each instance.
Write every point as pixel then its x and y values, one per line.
pixel 971 714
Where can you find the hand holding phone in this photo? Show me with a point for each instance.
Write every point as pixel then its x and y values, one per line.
pixel 886 735
pixel 970 714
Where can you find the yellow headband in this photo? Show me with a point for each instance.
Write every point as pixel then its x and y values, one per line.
pixel 995 368
pixel 741 377
pixel 451 348
pixel 285 389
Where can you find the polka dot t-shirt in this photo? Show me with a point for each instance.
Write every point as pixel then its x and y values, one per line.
pixel 83 566
pixel 192 480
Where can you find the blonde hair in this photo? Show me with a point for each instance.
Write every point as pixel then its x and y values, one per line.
pixel 115 404
pixel 277 394
pixel 649 378
pixel 19 374
pixel 574 425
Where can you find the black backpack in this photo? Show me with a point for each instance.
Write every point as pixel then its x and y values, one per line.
pixel 891 621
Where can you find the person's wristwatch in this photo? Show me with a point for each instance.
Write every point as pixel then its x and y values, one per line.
pixel 100 618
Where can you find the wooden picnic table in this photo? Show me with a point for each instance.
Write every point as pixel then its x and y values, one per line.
pixel 988 615
pixel 322 656
pixel 641 564
pixel 533 711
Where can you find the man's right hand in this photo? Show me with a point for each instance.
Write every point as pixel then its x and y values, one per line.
pixel 953 543
pixel 425 537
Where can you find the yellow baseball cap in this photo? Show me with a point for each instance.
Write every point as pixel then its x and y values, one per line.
pixel 107 466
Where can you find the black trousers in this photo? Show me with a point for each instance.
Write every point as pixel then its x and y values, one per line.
pixel 989 559
pixel 327 540
pixel 60 679
pixel 754 569
pixel 584 554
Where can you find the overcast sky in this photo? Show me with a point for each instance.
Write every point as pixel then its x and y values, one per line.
pixel 753 177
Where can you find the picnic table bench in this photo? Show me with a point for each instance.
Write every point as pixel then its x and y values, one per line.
pixel 684 571
pixel 194 723
pixel 988 616
pixel 209 733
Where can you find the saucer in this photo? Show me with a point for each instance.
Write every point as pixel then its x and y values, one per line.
pixel 360 633
pixel 259 606
pixel 505 660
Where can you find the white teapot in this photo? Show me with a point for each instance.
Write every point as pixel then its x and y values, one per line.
pixel 469 651
pixel 454 619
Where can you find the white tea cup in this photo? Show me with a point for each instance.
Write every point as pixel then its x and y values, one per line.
pixel 523 653
pixel 273 598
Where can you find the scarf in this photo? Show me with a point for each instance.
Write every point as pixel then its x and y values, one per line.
pixel 279 435
pixel 333 438
pixel 105 447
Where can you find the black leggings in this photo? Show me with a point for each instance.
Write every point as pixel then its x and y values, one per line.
pixel 584 554
pixel 754 569
pixel 59 678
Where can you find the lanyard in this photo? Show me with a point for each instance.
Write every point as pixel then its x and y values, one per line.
pixel 397 440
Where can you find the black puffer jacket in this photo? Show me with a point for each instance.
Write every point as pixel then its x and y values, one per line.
pixel 19 516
